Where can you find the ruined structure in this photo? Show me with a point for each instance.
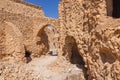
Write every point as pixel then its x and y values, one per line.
pixel 85 35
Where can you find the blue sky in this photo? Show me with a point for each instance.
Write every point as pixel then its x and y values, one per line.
pixel 50 7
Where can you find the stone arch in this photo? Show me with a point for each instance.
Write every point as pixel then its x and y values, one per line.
pixel 45 39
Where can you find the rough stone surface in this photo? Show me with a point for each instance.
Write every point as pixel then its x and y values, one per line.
pixel 96 33
pixel 85 38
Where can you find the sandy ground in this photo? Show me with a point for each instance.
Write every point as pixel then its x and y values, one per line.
pixel 43 68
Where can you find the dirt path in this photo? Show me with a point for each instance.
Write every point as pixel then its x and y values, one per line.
pixel 42 67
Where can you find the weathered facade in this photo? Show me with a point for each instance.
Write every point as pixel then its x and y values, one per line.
pixel 26 21
pixel 95 27
pixel 86 34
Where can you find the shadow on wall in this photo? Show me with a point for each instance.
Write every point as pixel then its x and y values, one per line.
pixel 43 41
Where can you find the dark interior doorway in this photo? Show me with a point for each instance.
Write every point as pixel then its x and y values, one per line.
pixel 28 56
pixel 116 9
pixel 71 52
pixel 76 58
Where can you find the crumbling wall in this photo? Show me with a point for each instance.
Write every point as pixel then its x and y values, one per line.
pixel 29 20
pixel 71 21
pixel 98 30
pixel 71 17
pixel 24 25
pixel 95 36
pixel 11 42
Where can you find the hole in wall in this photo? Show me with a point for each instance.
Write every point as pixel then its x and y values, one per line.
pixel 72 54
pixel 71 51
pixel 28 56
pixel 113 8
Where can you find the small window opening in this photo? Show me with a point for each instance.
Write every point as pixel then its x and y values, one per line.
pixel 47 40
pixel 28 57
pixel 116 9
pixel 113 8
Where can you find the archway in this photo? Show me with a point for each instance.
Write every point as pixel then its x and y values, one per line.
pixel 72 54
pixel 71 51
pixel 28 56
pixel 42 41
pixel 46 39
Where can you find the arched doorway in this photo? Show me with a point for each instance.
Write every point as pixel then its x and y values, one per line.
pixel 11 44
pixel 42 41
pixel 72 54
pixel 71 51
pixel 46 39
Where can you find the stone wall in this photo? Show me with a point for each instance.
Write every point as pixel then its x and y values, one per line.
pixel 94 32
pixel 85 34
pixel 12 46
pixel 70 21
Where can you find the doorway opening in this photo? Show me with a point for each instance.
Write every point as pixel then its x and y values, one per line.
pixel 72 54
pixel 46 41
pixel 113 8
pixel 42 42
pixel 28 56
pixel 75 56
pixel 71 51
